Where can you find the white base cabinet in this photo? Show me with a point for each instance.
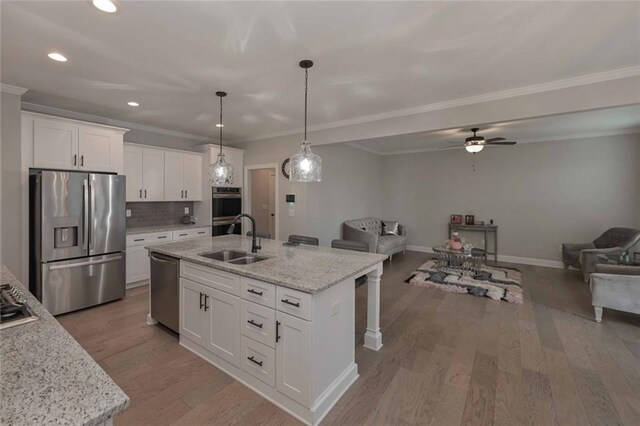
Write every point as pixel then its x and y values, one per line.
pixel 301 360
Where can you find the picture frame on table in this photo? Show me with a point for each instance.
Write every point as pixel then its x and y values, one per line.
pixel 456 219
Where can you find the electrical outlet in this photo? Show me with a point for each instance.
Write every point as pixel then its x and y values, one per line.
pixel 335 308
pixel 186 210
pixel 128 212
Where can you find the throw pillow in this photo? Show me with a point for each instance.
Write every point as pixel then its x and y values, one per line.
pixel 390 227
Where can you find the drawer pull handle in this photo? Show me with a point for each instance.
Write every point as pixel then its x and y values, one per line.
pixel 139 239
pixel 183 235
pixel 277 331
pixel 252 291
pixel 296 304
pixel 252 322
pixel 162 237
pixel 252 359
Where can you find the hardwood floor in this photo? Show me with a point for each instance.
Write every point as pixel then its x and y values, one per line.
pixel 447 359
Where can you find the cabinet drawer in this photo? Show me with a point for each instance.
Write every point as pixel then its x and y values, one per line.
pixel 259 361
pixel 146 239
pixel 259 292
pixel 258 322
pixel 188 234
pixel 294 302
pixel 213 278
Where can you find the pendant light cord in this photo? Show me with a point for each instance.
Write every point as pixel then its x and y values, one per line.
pixel 220 125
pixel 306 85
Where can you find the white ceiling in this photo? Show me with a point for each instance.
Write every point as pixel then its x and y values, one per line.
pixel 610 121
pixel 370 58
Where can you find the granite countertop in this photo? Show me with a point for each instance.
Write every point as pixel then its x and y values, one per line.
pixel 46 376
pixel 162 228
pixel 311 269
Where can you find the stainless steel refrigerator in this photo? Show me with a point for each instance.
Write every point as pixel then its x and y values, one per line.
pixel 77 239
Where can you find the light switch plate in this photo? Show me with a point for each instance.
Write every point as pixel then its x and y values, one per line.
pixel 292 212
pixel 128 212
pixel 186 210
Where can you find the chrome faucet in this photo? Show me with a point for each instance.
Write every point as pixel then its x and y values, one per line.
pixel 254 246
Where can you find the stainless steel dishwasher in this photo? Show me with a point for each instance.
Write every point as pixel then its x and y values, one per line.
pixel 165 296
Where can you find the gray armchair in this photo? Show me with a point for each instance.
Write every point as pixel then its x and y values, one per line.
pixel 368 230
pixel 615 287
pixel 614 242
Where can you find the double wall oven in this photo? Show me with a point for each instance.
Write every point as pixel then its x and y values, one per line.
pixel 226 204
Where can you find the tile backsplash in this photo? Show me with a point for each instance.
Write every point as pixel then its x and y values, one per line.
pixel 157 214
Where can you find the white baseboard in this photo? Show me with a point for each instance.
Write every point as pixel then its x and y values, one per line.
pixel 505 258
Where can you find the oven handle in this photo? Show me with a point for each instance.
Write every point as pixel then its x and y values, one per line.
pixel 218 195
pixel 222 222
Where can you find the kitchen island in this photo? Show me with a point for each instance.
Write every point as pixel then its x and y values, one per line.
pixel 47 378
pixel 284 324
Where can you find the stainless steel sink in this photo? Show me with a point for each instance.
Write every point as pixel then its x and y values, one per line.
pixel 235 257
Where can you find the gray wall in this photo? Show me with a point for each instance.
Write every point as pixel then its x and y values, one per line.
pixel 11 217
pixel 539 194
pixel 350 188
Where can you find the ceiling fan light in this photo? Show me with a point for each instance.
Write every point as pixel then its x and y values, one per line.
pixel 473 148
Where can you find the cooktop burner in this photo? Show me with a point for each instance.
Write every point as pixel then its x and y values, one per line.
pixel 14 309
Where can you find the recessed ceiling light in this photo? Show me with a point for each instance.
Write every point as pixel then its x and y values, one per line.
pixel 57 57
pixel 133 103
pixel 105 5
pixel 219 125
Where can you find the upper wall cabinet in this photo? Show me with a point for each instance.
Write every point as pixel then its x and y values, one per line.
pixel 155 174
pixel 59 143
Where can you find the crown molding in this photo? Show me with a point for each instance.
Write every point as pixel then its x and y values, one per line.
pixel 43 109
pixel 487 97
pixel 520 141
pixel 14 90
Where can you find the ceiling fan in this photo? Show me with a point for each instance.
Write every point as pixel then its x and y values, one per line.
pixel 477 143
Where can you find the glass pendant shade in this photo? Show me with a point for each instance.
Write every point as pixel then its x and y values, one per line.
pixel 474 148
pixel 221 172
pixel 305 165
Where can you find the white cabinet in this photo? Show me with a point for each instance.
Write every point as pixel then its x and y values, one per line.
pixel 137 264
pixel 293 358
pixel 59 143
pixel 144 168
pixel 224 321
pixel 235 157
pixel 194 319
pixel 183 176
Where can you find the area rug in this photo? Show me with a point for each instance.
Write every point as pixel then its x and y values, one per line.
pixel 498 283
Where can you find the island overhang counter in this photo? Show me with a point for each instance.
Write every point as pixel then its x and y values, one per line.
pixel 284 326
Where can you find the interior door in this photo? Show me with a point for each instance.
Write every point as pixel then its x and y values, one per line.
pixel 173 178
pixel 107 233
pixel 224 325
pixel 95 150
pixel 272 205
pixel 192 174
pixel 55 145
pixel 133 172
pixel 152 174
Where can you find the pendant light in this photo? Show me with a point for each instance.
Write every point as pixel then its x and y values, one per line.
pixel 220 172
pixel 305 165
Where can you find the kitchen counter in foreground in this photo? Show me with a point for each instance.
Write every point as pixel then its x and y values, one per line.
pixel 311 269
pixel 46 376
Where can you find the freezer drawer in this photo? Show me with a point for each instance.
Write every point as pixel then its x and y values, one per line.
pixel 80 283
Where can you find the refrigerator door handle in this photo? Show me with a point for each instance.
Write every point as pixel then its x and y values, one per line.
pixel 92 192
pixel 87 263
pixel 85 213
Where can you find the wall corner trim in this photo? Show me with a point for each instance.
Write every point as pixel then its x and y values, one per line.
pixel 15 90
pixel 505 258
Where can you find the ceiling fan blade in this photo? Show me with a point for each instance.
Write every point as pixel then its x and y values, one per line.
pixel 501 143
pixel 454 142
pixel 494 139
pixel 452 146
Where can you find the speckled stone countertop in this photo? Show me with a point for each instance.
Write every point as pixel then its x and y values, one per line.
pixel 163 228
pixel 311 269
pixel 47 378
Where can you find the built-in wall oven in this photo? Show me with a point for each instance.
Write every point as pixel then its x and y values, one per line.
pixel 226 204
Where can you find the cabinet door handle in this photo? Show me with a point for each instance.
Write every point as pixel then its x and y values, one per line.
pixel 182 193
pixel 145 193
pixel 252 322
pixel 201 303
pixel 252 291
pixel 82 160
pixel 141 194
pixel 206 298
pixel 277 331
pixel 252 359
pixel 186 193
pixel 139 239
pixel 75 159
pixel 296 304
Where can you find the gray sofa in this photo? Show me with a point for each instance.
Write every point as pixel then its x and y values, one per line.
pixel 614 242
pixel 369 230
pixel 615 287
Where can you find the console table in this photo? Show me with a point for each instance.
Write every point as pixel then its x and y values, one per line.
pixel 486 229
